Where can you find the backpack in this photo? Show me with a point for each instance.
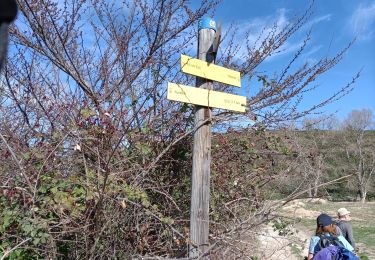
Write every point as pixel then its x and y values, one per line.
pixel 328 253
pixel 331 248
pixel 345 254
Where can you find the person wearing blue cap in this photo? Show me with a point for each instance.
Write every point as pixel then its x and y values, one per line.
pixel 326 228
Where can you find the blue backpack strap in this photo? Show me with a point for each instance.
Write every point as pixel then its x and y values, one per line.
pixel 324 241
pixel 329 240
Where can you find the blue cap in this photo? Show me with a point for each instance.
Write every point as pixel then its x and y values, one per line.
pixel 324 220
pixel 207 23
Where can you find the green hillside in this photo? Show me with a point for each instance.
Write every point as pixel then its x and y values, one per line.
pixel 291 161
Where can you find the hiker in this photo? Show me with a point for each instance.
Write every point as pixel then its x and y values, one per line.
pixel 326 228
pixel 345 225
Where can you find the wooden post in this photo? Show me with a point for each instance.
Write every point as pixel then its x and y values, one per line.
pixel 200 191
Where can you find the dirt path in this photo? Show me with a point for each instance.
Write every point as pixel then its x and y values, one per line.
pixel 294 244
pixel 291 247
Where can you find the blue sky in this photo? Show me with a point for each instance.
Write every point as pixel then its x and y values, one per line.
pixel 334 24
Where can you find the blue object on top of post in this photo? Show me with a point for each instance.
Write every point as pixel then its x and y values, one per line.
pixel 207 23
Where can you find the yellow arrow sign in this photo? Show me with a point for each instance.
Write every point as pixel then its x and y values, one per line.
pixel 205 97
pixel 210 71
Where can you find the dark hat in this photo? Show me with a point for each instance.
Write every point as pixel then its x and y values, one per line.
pixel 8 10
pixel 324 220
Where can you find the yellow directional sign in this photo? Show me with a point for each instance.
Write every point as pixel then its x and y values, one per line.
pixel 210 71
pixel 205 97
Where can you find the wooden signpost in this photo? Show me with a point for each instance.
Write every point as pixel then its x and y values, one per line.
pixel 204 98
pixel 210 71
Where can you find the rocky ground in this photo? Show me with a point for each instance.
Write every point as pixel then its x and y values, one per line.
pixel 293 243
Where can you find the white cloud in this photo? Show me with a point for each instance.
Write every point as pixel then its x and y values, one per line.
pixel 323 18
pixel 362 21
pixel 256 25
pixel 313 50
pixel 254 31
pixel 263 25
